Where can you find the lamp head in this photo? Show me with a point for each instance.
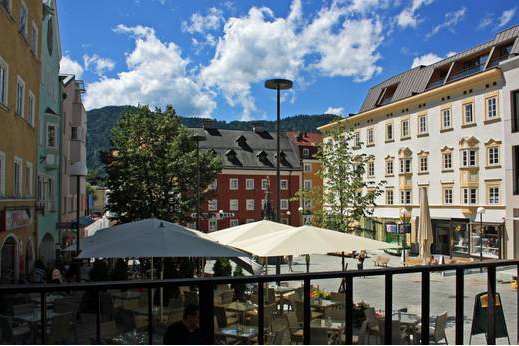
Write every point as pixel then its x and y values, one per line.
pixel 288 213
pixel 300 209
pixel 404 214
pixel 481 210
pixel 281 84
pixel 220 212
pixel 78 168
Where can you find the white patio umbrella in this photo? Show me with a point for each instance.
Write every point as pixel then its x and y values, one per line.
pixel 231 235
pixel 307 240
pixel 425 236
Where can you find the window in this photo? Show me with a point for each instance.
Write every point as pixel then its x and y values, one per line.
pixel 307 185
pixel 469 158
pixel 23 19
pixel 447 160
pixel 404 129
pixel 50 36
pixel 422 124
pixel 4 81
pixel 250 221
pixel 307 204
pixel 51 136
pixel 7 4
pixel 263 204
pixel 447 195
pixel 515 168
pixel 283 183
pixel 468 113
pixel 233 205
pixel 264 184
pixel 20 95
pixel 371 169
pixel 234 223
pixel 233 184
pixel 213 225
pixel 284 204
pixel 470 196
pixel 249 184
pixel 306 152
pixel 249 204
pixel 423 164
pixel 308 167
pixel 357 138
pixel 28 178
pixel 17 177
pixel 389 167
pixel 2 174
pixel 213 185
pixel 41 189
pixel 30 111
pixel 50 193
pixel 405 197
pixel 34 39
pixel 212 205
pixel 73 133
pixel 389 132
pixel 515 110
pixel 389 197
pixel 493 195
pixel 446 119
pixel 493 156
pixel 491 103
pixel 371 138
pixel 405 165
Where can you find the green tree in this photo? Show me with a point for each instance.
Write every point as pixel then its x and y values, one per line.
pixel 347 195
pixel 315 197
pixel 150 172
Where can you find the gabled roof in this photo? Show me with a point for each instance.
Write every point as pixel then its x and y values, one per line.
pixel 305 138
pixel 258 154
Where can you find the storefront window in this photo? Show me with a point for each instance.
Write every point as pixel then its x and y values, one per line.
pixel 460 238
pixel 8 261
pixel 488 242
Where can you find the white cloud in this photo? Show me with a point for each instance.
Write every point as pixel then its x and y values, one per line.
pixel 408 17
pixel 429 59
pixel 506 17
pixel 202 24
pixel 97 64
pixel 259 46
pixel 485 21
pixel 334 110
pixel 156 76
pixel 69 66
pixel 451 20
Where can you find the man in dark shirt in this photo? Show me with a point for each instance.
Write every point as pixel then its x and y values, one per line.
pixel 184 332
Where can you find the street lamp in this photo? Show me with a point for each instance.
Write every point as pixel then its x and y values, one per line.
pixel 278 85
pixel 405 217
pixel 288 217
pixel 300 210
pixel 480 212
pixel 78 170
pixel 198 139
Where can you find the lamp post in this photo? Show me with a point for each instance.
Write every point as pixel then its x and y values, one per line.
pixel 278 85
pixel 480 212
pixel 301 210
pixel 288 217
pixel 198 139
pixel 78 170
pixel 404 218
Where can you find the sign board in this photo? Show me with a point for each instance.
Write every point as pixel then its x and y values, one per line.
pixel 479 317
pixel 404 228
pixel 391 228
pixel 17 218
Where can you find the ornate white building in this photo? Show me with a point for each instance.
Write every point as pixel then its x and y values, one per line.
pixel 453 128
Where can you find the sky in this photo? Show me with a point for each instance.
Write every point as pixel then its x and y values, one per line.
pixel 211 58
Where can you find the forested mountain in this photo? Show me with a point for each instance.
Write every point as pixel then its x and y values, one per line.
pixel 102 120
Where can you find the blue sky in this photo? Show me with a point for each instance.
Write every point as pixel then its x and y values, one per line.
pixel 211 58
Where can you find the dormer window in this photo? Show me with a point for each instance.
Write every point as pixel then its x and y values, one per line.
pixel 438 77
pixel 241 140
pixel 386 95
pixel 231 155
pixel 468 67
pixel 501 53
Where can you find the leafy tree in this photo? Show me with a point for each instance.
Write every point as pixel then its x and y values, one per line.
pixel 222 267
pixel 347 196
pixel 150 173
pixel 315 196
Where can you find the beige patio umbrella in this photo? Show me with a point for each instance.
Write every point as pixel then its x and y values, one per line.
pixel 231 235
pixel 425 236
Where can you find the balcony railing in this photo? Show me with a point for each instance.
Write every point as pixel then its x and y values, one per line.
pixel 497 60
pixel 206 287
pixel 467 72
pixel 436 83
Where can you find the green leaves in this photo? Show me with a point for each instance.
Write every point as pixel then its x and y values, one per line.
pixel 153 173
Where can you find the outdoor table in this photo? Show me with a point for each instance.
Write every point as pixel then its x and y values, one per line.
pixel 241 308
pixel 323 304
pixel 240 331
pixel 34 319
pixel 334 327
pixel 281 291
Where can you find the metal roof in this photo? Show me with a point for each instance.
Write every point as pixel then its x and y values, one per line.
pixel 416 80
pixel 246 150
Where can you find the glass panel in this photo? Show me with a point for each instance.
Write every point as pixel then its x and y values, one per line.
pixel 328 300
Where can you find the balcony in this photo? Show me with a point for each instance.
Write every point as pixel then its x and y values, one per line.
pixel 467 72
pixel 436 83
pixel 497 60
pixel 131 301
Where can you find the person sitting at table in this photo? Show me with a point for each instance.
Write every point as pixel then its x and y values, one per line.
pixel 185 331
pixel 39 273
pixel 56 277
pixel 433 261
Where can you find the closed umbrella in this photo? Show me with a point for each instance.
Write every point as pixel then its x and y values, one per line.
pixel 425 236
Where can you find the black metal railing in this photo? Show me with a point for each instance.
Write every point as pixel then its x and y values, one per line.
pixel 436 83
pixel 497 60
pixel 467 72
pixel 206 288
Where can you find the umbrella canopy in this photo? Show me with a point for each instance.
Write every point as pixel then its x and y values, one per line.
pixel 307 240
pixel 152 238
pixel 229 236
pixel 425 236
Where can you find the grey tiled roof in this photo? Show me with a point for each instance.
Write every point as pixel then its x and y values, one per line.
pixel 243 149
pixel 415 81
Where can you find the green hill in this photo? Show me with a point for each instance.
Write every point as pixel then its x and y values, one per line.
pixel 102 120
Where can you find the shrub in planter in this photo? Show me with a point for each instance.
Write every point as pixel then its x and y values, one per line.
pixel 120 271
pixel 222 267
pixel 239 288
pixel 99 271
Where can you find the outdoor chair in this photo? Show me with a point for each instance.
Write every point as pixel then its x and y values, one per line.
pixel 371 318
pixel 13 335
pixel 300 312
pixel 60 330
pixel 397 336
pixel 294 328
pixel 21 309
pixel 227 296
pixel 223 318
pixel 109 329
pixel 107 306
pixel 65 306
pixel 268 313
pixel 357 339
pixel 437 333
pixel 278 336
pixel 318 336
pixel 130 321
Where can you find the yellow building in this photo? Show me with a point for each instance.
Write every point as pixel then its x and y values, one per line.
pixel 19 90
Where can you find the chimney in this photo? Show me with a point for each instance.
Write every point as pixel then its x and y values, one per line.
pixel 206 123
pixel 257 127
pixel 300 135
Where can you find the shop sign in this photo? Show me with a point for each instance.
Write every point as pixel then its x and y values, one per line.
pixel 391 228
pixel 17 218
pixel 404 228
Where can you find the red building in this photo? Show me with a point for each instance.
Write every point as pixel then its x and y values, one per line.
pixel 249 172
